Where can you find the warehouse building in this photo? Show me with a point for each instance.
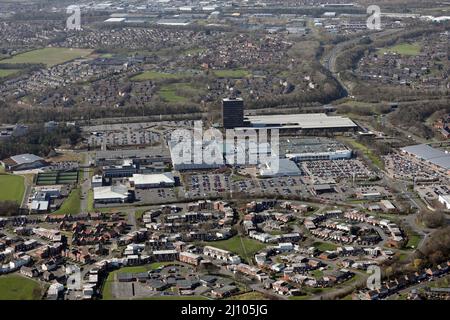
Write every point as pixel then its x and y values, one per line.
pixel 126 169
pixel 314 156
pixel 111 194
pixel 285 168
pixel 302 122
pixel 183 159
pixel 147 181
pixel 435 158
pixel 23 162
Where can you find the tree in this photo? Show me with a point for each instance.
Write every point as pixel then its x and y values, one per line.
pixel 431 219
pixel 437 247
pixel 9 208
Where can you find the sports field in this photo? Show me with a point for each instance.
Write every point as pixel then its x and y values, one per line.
pixel 48 56
pixel 14 287
pixel 49 178
pixel 12 188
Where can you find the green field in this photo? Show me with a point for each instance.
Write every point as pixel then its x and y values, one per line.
pixel 14 287
pixel 154 75
pixel 304 297
pixel 90 201
pixel 413 241
pixel 138 214
pixel 243 247
pixel 322 246
pixel 12 188
pixel 174 298
pixel 177 92
pixel 7 72
pixel 48 56
pixel 72 205
pixel 193 51
pixel 376 160
pixel 404 49
pixel 317 273
pixel 248 296
pixel 235 74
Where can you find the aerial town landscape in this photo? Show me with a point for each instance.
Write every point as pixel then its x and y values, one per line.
pixel 224 150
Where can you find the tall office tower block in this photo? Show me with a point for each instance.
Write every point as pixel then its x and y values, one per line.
pixel 232 113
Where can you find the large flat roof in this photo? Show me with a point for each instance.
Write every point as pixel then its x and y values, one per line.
pixel 154 179
pixel 285 167
pixel 432 155
pixel 111 192
pixel 304 121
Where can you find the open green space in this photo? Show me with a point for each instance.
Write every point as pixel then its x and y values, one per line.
pixel 72 205
pixel 322 246
pixel 243 247
pixel 232 73
pixel 155 75
pixel 406 49
pixel 12 188
pixel 48 56
pixel 317 273
pixel 376 160
pixel 14 287
pixel 304 297
pixel 8 72
pixel 248 296
pixel 193 51
pixel 90 201
pixel 413 241
pixel 139 213
pixel 174 298
pixel 177 92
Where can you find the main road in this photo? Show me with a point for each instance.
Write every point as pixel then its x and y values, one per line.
pixel 329 61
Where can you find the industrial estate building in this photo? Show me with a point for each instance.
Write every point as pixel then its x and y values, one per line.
pixel 303 122
pixel 111 194
pixel 158 180
pixel 23 162
pixel 314 156
pixel 436 158
pixel 285 167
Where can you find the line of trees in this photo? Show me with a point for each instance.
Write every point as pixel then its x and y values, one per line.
pixel 40 141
